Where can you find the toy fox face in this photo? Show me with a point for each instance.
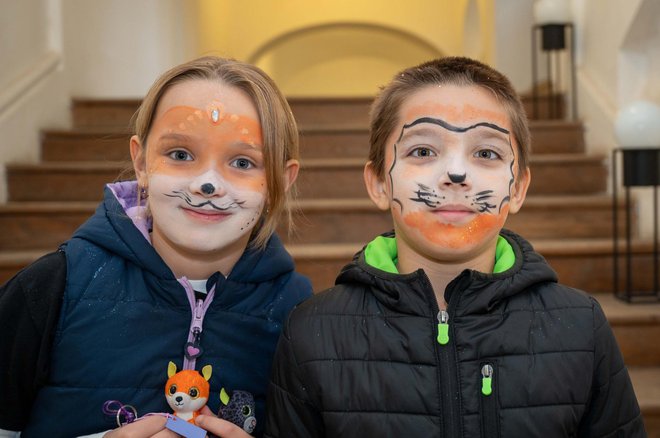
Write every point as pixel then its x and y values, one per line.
pixel 187 391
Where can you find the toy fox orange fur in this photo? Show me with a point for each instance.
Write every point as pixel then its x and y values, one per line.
pixel 187 391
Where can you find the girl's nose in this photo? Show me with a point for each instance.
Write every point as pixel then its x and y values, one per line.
pixel 208 188
pixel 210 184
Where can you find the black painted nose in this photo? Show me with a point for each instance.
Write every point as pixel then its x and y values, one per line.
pixel 457 179
pixel 178 399
pixel 208 189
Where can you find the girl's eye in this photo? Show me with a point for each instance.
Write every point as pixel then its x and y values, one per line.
pixel 180 155
pixel 487 154
pixel 422 152
pixel 242 163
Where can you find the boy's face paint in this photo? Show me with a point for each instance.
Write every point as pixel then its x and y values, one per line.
pixel 450 171
pixel 204 169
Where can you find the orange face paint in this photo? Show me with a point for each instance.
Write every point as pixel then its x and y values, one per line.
pixel 212 141
pixel 450 169
pixel 455 236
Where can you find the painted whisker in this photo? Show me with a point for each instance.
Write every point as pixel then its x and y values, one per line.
pixel 188 200
pixel 426 195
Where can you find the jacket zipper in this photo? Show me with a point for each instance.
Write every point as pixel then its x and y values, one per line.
pixel 446 368
pixel 443 327
pixel 489 417
pixel 193 348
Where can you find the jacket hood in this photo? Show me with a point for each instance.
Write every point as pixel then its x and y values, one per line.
pixel 116 228
pixel 476 292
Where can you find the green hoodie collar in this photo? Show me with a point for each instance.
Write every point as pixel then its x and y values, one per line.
pixel 382 253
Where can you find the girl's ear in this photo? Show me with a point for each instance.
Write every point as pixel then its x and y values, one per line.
pixel 139 161
pixel 291 169
pixel 519 191
pixel 376 187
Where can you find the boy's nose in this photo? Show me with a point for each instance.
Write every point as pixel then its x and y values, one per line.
pixel 456 178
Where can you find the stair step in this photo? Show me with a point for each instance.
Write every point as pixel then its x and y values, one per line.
pixel 551 175
pixel 633 325
pixel 646 381
pixel 627 321
pixel 85 145
pixel 83 181
pixel 316 141
pixel 585 264
pixel 46 224
pixel 358 220
pixel 66 181
pixel 95 112
pixel 307 110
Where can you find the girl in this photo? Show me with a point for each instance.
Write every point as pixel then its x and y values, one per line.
pixel 180 265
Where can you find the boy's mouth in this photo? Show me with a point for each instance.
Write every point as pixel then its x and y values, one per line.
pixel 453 213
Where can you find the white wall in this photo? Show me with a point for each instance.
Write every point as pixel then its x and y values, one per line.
pixel 513 46
pixel 117 48
pixel 53 50
pixel 33 91
pixel 620 54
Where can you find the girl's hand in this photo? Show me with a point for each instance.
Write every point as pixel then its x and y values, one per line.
pixel 152 426
pixel 219 427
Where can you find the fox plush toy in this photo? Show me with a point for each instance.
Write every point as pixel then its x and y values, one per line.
pixel 187 391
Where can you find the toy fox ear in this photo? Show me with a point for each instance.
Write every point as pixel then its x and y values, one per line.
pixel 206 372
pixel 171 369
pixel 224 397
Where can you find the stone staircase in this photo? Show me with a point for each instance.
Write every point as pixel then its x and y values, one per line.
pixel 567 215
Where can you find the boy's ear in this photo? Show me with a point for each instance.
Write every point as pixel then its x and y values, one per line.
pixel 519 191
pixel 139 161
pixel 290 173
pixel 376 187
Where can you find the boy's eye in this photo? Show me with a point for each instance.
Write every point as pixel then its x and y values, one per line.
pixel 172 389
pixel 180 155
pixel 487 154
pixel 422 152
pixel 242 163
pixel 193 392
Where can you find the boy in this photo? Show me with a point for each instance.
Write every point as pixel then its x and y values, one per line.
pixel 449 326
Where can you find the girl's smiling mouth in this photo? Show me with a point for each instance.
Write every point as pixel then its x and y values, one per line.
pixel 206 215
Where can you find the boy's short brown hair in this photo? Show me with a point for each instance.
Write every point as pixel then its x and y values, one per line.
pixel 278 125
pixel 461 71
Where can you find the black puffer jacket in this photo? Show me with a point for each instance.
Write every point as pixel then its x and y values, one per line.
pixel 363 359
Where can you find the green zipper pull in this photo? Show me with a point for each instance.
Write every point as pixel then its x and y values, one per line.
pixel 443 327
pixel 487 380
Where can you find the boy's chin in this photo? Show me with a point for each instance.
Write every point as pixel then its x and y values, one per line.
pixel 456 248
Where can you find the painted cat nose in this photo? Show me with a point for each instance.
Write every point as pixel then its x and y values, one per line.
pixel 457 179
pixel 208 188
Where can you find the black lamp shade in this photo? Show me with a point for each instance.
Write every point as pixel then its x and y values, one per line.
pixel 641 167
pixel 552 37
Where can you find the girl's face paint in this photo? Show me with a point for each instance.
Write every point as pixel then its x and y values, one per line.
pixel 204 169
pixel 451 170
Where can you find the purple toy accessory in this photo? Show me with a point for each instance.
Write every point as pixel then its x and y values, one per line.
pixel 117 409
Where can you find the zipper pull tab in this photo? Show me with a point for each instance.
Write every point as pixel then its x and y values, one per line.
pixel 487 380
pixel 443 327
pixel 193 349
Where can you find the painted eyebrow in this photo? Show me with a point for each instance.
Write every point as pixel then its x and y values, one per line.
pixel 450 127
pixel 175 137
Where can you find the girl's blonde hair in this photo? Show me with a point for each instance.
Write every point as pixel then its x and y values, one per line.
pixel 278 126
